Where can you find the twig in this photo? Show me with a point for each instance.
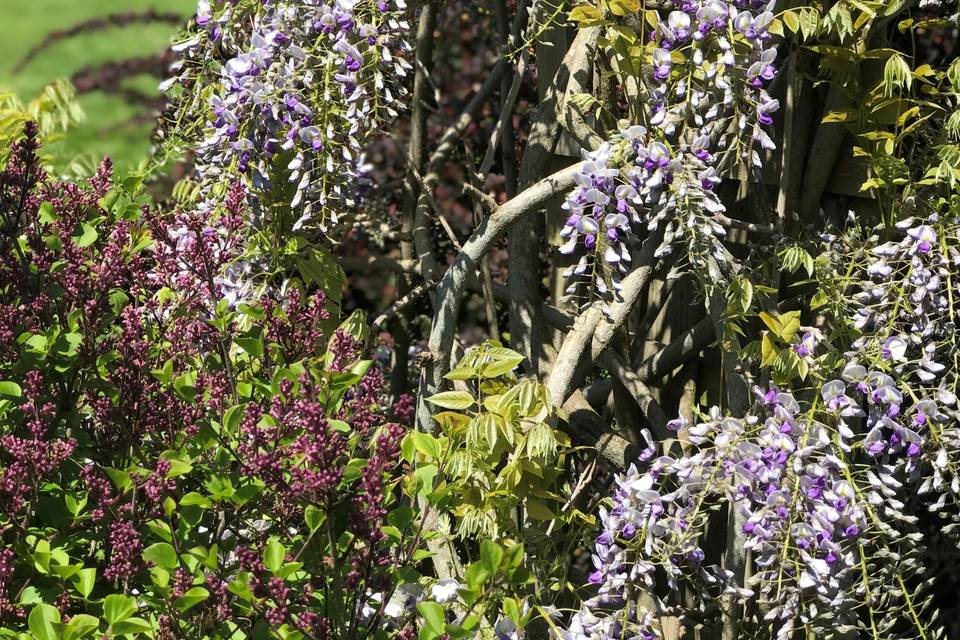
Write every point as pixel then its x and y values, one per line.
pixel 363 264
pixel 482 198
pixel 754 227
pixel 677 353
pixel 415 159
pixel 400 305
pixel 100 23
pixel 640 393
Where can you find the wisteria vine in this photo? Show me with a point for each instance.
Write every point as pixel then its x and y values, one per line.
pixel 707 89
pixel 860 466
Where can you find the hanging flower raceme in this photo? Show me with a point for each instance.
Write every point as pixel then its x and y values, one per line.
pixel 820 480
pixel 778 468
pixel 900 368
pixel 711 62
pixel 303 87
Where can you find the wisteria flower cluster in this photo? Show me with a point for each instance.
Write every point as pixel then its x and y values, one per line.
pixel 821 480
pixel 301 88
pixel 801 518
pixel 708 106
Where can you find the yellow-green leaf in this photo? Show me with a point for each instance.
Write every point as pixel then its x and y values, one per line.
pixel 586 15
pixel 452 400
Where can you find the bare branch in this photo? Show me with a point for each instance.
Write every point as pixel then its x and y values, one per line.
pixel 640 393
pixel 400 305
pixel 570 116
pixel 451 288
pixel 525 238
pixel 754 227
pixel 416 157
pixel 100 23
pixel 678 352
pixel 598 327
pixel 482 198
pixel 589 429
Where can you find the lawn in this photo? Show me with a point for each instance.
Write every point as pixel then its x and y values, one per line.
pixel 109 128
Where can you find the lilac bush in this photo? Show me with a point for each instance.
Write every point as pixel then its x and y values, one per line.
pixel 175 462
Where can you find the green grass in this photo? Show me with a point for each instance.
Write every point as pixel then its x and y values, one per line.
pixel 107 129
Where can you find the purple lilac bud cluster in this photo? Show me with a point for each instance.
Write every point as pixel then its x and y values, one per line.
pixel 304 86
pixel 709 104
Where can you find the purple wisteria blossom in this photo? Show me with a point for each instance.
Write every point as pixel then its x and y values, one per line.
pixel 304 86
pixel 663 174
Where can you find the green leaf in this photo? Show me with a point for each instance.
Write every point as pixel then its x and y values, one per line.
pixel 178 467
pixel 186 384
pixel 896 74
pixel 354 469
pixel 43 621
pixel 457 400
pixel 195 499
pixel 31 595
pixel 401 517
pixel 84 581
pixel 490 555
pixel 586 15
pixel 792 20
pixel 313 517
pixel 497 369
pixel 624 7
pixel 513 610
pixel 162 555
pixel 503 364
pixel 46 213
pixel 193 597
pixel 252 344
pixel 232 418
pixel 88 237
pixel 320 268
pixel 953 74
pixel 740 295
pixel 426 475
pixel 426 444
pixel 538 510
pixel 407 448
pixel 131 626
pixel 772 322
pixel 512 557
pixel 433 616
pixel 461 373
pixel 121 479
pixel 809 22
pixel 8 388
pixel 768 351
pixel 273 556
pixel 79 626
pixel 477 575
pixel 118 607
pixel 790 324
